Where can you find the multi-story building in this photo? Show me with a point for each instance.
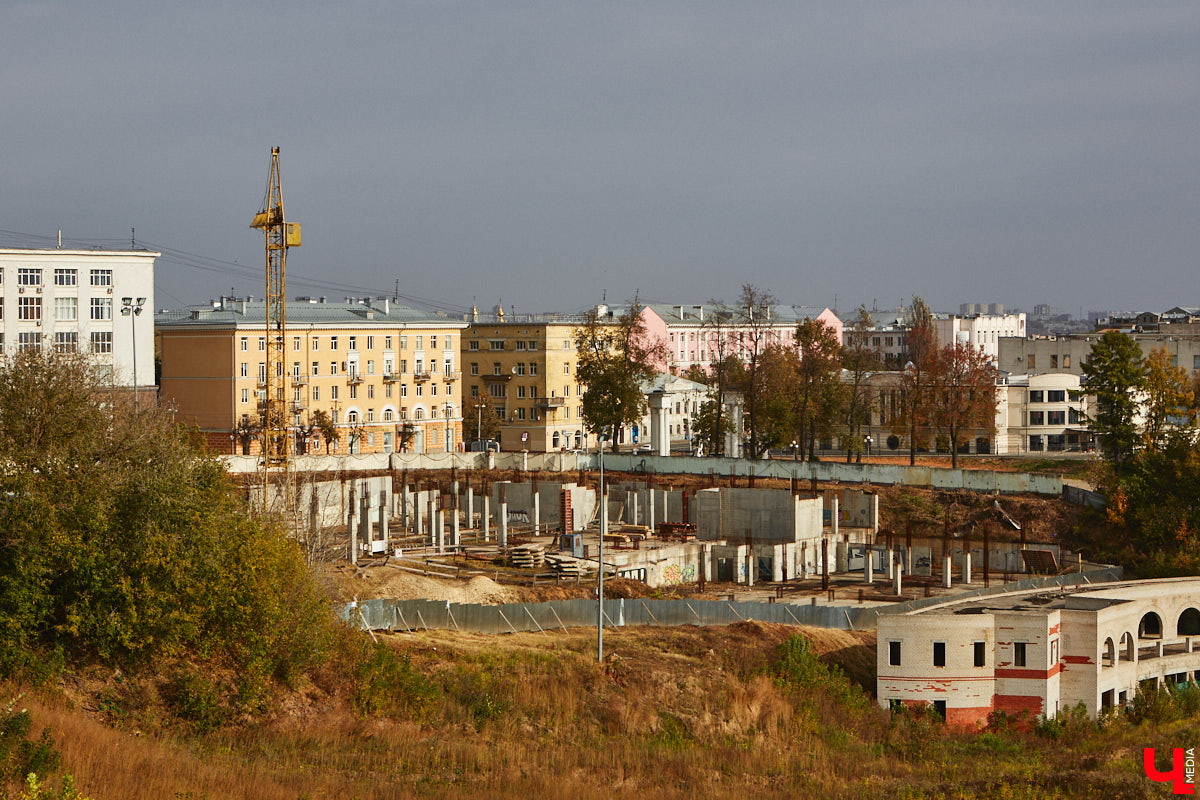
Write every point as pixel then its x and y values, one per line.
pixel 1042 414
pixel 699 335
pixel 386 374
pixel 75 300
pixel 981 331
pixel 527 370
pixel 1038 652
pixel 1069 353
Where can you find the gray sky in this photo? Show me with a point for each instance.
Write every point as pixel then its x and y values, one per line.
pixel 546 152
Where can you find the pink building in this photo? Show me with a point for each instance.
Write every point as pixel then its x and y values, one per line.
pixel 696 335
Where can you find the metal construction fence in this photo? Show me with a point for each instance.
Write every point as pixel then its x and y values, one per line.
pixel 415 615
pixel 987 481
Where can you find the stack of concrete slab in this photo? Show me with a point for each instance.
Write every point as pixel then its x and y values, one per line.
pixel 527 556
pixel 568 565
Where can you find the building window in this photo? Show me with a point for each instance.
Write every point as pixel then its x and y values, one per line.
pixel 333 343
pixel 533 345
pixel 521 392
pixel 939 654
pixel 353 342
pixel 102 277
pixel 1019 654
pixel 387 415
pixel 533 368
pixel 1036 395
pixel 520 345
pixel 66 309
pixel 31 340
pixel 66 341
pixel 387 343
pixel 31 308
pixel 894 654
pixel 1053 361
pixel 1035 444
pixel 316 368
pixel 1056 396
pixel 474 368
pixel 65 277
pixel 333 393
pixel 245 344
pixel 262 344
pixel 245 369
pixel 101 341
pixel 496 344
pixel 980 655
pixel 495 367
pixel 1037 418
pixel 567 368
pixel 29 276
pixel 1032 361
pixel 333 367
pixel 370 342
pixel 296 343
pixel 1056 417
pixel 520 413
pixel 316 393
pixel 316 343
pixel 521 369
pixel 473 344
pixel 245 395
pixel 370 390
pixel 387 390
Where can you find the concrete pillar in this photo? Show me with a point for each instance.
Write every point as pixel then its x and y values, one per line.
pixel 383 522
pixel 967 567
pixel 502 522
pixel 650 508
pixel 537 511
pixel 888 563
pixel 788 560
pixel 633 506
pixel 660 439
pixel 485 517
pixel 908 560
pixel 833 516
pixel 470 507
pixel 706 563
pixel 868 565
pixel 364 519
pixel 803 560
pixel 842 557
pixel 433 531
pixel 947 566
pixel 777 555
pixel 455 539
pixel 897 580
pixel 416 516
pixel 440 514
pixel 404 506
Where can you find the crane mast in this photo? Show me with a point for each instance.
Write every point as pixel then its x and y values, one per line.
pixel 276 432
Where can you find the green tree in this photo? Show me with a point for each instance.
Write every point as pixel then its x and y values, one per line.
pixel 711 426
pixel 615 360
pixel 1115 374
pixel 484 421
pixel 322 423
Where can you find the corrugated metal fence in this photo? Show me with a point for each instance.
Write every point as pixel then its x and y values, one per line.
pixel 410 615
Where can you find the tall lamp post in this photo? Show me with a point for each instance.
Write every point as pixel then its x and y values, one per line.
pixel 601 438
pixel 131 308
pixel 479 422
pixel 868 449
pixel 447 410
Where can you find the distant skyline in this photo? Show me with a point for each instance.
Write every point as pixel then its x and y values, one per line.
pixel 549 153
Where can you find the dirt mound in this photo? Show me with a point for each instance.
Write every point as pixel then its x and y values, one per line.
pixel 393 584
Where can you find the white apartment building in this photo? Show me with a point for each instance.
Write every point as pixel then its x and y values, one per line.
pixel 982 331
pixel 72 300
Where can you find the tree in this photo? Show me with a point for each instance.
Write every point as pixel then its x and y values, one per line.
pixel 1114 374
pixel 122 538
pixel 322 423
pixel 818 392
pixel 615 361
pixel 775 396
pixel 917 379
pixel 754 307
pixel 859 360
pixel 1170 399
pixel 486 421
pixel 717 345
pixel 965 394
pixel 711 426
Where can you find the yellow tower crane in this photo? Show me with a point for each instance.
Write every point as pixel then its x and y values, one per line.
pixel 276 433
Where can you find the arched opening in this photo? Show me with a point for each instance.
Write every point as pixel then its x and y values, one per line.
pixel 1150 627
pixel 556 440
pixel 1109 657
pixel 1128 648
pixel 1189 623
pixel 578 440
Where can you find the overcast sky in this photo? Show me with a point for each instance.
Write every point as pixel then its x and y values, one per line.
pixel 547 153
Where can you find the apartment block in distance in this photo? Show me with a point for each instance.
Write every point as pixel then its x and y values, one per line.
pixel 386 374
pixel 72 301
pixel 527 370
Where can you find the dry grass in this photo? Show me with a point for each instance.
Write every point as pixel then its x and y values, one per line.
pixel 673 713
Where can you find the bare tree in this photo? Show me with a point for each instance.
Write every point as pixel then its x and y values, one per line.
pixel 964 383
pixel 859 360
pixel 754 309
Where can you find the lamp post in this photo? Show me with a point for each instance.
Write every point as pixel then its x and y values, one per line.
pixel 446 412
pixel 479 421
pixel 132 308
pixel 868 449
pixel 795 450
pixel 601 436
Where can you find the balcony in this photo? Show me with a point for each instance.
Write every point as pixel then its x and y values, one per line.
pixel 299 380
pixel 451 376
pixel 550 402
pixel 496 378
pixel 421 377
pixel 391 377
pixel 353 379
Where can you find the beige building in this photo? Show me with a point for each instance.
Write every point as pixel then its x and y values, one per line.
pixel 527 370
pixel 387 375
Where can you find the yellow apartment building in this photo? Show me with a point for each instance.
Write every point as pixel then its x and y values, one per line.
pixel 387 375
pixel 528 371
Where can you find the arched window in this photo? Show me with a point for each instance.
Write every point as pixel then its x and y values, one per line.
pixel 419 414
pixel 1150 627
pixel 352 416
pixel 1128 648
pixel 387 415
pixel 1109 657
pixel 556 445
pixel 1189 623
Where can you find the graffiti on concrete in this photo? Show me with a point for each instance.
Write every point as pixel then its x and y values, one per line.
pixel 673 574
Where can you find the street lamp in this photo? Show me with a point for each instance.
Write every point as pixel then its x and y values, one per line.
pixel 795 450
pixel 132 308
pixel 600 573
pixel 479 421
pixel 446 412
pixel 868 449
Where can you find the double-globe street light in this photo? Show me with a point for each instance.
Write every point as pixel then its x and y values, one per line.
pixel 132 308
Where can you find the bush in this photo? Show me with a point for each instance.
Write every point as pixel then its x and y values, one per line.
pixel 387 684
